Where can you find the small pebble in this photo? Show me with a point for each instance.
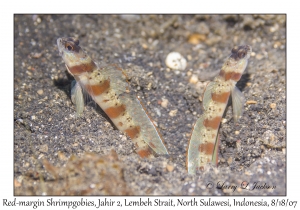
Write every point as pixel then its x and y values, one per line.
pixel 61 155
pixel 145 46
pixel 20 120
pixel 196 38
pixel 248 173
pixel 124 138
pixel 269 137
pixel 189 57
pixel 164 102
pixel 274 28
pixel 193 79
pixel 173 113
pixel 37 55
pixel 17 183
pixel 277 44
pixel 40 92
pixel 272 105
pixel 170 168
pixel 251 102
pixel 259 56
pixel 229 160
pixel 191 190
pixel 44 148
pixel 157 111
pixel 223 120
pixel 38 20
pixel 238 145
pixel 227 190
pixel 175 61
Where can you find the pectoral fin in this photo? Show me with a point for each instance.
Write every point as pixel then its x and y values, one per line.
pixel 193 155
pixel 77 97
pixel 238 101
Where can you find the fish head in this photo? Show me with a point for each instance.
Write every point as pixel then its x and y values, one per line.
pixel 238 59
pixel 73 55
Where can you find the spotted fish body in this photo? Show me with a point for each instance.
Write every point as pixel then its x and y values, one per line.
pixel 109 89
pixel 203 145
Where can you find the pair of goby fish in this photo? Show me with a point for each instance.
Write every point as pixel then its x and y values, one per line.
pixel 108 87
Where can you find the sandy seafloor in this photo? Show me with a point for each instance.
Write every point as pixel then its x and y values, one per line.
pixel 56 153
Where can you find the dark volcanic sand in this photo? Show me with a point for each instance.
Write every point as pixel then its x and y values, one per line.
pixel 57 154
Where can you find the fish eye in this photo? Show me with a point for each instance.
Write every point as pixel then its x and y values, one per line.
pixel 69 47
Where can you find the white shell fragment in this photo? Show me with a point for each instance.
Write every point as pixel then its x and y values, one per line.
pixel 175 61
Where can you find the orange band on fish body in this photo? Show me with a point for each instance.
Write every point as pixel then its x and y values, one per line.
pixel 144 153
pixel 230 75
pixel 213 123
pixel 133 132
pixel 116 111
pixel 96 90
pixel 220 98
pixel 207 148
pixel 84 67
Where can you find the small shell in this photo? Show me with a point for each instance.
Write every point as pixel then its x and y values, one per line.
pixel 176 61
